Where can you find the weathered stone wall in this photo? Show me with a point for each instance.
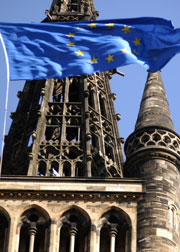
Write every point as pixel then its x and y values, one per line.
pixel 55 210
pixel 159 210
pixel 52 200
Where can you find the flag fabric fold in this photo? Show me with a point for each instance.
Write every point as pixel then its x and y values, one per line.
pixel 59 50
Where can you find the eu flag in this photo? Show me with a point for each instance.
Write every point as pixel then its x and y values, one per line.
pixel 58 50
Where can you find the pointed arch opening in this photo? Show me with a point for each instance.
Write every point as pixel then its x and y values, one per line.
pixel 91 97
pixel 4 230
pixel 74 234
pixel 75 90
pixel 95 139
pixel 79 170
pixel 34 231
pixel 42 168
pixel 54 170
pixel 66 169
pixel 102 103
pixel 115 232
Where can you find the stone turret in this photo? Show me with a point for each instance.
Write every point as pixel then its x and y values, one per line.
pixel 153 154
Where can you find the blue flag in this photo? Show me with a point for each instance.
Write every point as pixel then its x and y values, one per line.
pixel 58 50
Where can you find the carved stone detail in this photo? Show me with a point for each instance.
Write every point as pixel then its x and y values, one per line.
pixel 153 138
pixel 68 127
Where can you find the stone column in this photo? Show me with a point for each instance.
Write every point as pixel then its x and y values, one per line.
pixel 73 231
pixel 54 236
pixel 113 233
pixel 14 233
pixel 93 239
pixel 32 233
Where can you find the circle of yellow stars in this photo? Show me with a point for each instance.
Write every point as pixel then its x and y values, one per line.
pixel 110 57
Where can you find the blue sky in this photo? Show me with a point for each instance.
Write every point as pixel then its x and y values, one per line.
pixel 129 88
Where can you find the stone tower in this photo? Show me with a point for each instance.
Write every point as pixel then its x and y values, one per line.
pixel 68 126
pixel 153 154
pixel 62 188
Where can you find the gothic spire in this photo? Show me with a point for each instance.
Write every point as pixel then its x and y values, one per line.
pixel 154 109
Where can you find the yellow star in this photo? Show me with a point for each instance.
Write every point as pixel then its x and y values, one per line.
pixel 135 52
pixel 80 53
pixel 126 29
pixel 94 60
pixel 70 44
pixel 137 42
pixel 110 25
pixel 125 51
pixel 92 25
pixel 70 35
pixel 110 58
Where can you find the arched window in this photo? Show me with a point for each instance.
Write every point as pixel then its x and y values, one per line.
pixel 102 103
pixel 73 129
pixel 75 90
pixel 79 169
pixel 91 97
pixel 54 170
pixel 115 234
pixel 95 138
pixel 4 228
pixel 74 234
pixel 66 169
pixel 42 169
pixel 58 94
pixel 34 232
pixel 173 216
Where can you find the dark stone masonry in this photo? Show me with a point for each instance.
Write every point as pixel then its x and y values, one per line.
pixel 65 186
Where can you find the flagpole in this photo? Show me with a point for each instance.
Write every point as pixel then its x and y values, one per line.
pixel 6 101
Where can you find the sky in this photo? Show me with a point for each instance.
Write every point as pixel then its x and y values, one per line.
pixel 129 89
